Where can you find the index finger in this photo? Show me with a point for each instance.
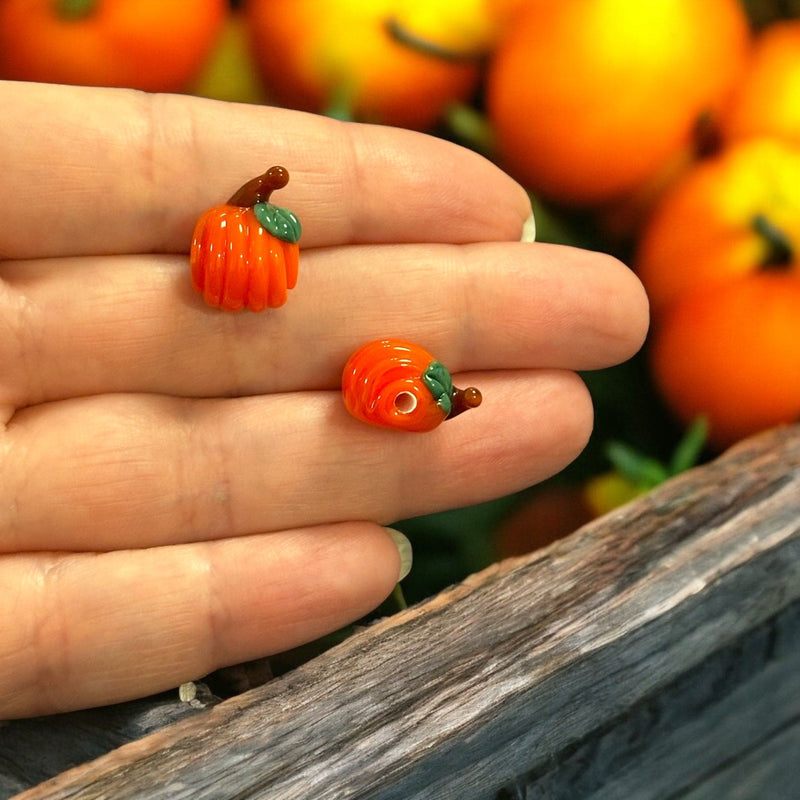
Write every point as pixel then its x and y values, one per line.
pixel 90 171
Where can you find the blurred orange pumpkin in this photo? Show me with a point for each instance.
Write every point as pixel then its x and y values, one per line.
pixel 341 57
pixel 728 216
pixel 591 99
pixel 766 101
pixel 731 353
pixel 155 45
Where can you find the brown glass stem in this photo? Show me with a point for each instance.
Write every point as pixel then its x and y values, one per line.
pixel 259 189
pixel 463 400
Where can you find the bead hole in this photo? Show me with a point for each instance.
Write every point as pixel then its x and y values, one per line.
pixel 405 402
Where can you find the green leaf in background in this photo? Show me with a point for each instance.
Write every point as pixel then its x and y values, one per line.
pixel 280 222
pixel 76 9
pixel 648 472
pixel 636 467
pixel 689 449
pixel 471 128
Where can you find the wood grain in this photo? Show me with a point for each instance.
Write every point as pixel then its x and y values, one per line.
pixel 647 655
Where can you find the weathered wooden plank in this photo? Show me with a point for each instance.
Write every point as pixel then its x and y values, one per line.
pixel 739 701
pixel 497 682
pixel 33 750
pixel 767 772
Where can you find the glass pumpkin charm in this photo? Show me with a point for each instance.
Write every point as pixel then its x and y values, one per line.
pixel 245 253
pixel 396 384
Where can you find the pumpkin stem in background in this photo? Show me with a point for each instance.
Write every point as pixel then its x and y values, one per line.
pixel 426 47
pixel 463 400
pixel 780 253
pixel 259 189
pixel 75 9
pixel 706 135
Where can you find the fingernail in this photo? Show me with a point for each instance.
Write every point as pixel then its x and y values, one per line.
pixel 404 548
pixel 529 229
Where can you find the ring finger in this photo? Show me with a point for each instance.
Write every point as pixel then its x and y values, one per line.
pixel 118 471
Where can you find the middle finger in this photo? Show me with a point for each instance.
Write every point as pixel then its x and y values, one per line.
pixel 133 323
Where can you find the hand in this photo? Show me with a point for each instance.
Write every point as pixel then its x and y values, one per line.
pixel 182 488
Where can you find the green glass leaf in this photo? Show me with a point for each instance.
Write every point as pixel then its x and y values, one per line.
pixel 440 385
pixel 280 222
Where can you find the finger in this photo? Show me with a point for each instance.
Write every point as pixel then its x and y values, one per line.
pixel 87 629
pixel 137 471
pixel 115 171
pixel 135 325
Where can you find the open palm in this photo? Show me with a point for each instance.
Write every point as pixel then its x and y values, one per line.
pixel 182 488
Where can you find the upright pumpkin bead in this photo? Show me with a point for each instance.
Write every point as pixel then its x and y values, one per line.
pixel 245 253
pixel 396 384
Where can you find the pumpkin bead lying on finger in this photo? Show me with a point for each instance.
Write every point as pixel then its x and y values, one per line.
pixel 396 384
pixel 245 253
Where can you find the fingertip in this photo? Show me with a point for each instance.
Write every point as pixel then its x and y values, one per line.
pixel 309 582
pixel 641 316
pixel 415 187
pixel 630 325
pixel 580 422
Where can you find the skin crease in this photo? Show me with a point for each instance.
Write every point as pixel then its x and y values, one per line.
pixel 185 483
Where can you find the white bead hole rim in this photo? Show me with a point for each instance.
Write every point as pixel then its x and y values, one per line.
pixel 405 402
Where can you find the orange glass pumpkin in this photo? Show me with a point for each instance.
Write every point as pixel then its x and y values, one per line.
pixel 396 384
pixel 245 253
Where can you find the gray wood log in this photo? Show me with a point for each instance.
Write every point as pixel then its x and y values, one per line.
pixel 655 653
pixel 32 750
